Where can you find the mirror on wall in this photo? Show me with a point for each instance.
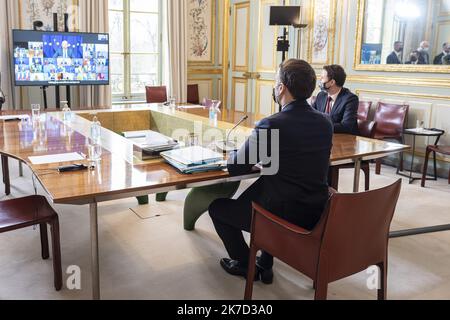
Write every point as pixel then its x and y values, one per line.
pixel 403 35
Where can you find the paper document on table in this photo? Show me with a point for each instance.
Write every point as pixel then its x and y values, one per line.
pixel 57 158
pixel 421 131
pixel 14 117
pixel 187 107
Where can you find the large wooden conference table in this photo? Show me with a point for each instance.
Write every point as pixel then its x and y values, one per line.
pixel 120 175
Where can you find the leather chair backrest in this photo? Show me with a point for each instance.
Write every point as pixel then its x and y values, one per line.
pixel 391 119
pixel 156 94
pixel 364 110
pixel 193 94
pixel 357 230
pixel 367 129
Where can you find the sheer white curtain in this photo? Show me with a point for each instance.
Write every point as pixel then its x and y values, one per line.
pixel 93 17
pixel 177 48
pixel 9 11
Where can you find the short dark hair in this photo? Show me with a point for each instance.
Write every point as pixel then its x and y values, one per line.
pixel 299 77
pixel 336 73
pixel 445 45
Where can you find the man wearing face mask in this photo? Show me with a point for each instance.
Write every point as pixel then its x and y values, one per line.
pixel 445 52
pixel 424 56
pixel 396 57
pixel 414 58
pixel 301 138
pixel 336 101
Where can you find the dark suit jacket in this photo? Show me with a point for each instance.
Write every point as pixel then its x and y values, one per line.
pixel 438 59
pixel 393 59
pixel 344 114
pixel 298 191
pixel 424 57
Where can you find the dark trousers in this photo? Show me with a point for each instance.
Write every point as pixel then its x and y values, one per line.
pixel 231 217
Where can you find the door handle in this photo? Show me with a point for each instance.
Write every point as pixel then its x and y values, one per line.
pixel 251 75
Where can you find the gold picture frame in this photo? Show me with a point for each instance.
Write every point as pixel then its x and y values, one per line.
pixel 444 4
pixel 331 33
pixel 385 68
pixel 48 19
pixel 210 61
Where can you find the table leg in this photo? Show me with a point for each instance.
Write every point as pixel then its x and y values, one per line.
pixel 411 180
pixel 357 175
pixel 435 166
pixel 95 268
pixel 20 169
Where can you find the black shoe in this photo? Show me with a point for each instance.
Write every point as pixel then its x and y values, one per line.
pixel 265 275
pixel 235 269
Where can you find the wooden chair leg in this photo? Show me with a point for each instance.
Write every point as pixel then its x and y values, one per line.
pixel 3 169
pixel 334 178
pixel 250 274
pixel 56 247
pixel 425 167
pixel 401 162
pixel 366 170
pixel 321 290
pixel 44 241
pixel 20 169
pixel 382 291
pixel 6 179
pixel 378 167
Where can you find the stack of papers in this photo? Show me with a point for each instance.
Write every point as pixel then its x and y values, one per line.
pixel 151 142
pixel 195 159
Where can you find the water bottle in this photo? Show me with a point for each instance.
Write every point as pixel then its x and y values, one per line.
pixel 214 112
pixel 67 113
pixel 95 146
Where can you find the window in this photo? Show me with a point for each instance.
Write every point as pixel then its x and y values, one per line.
pixel 135 40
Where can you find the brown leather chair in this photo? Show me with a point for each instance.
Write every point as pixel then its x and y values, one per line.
pixel 156 94
pixel 364 110
pixel 391 121
pixel 352 235
pixel 367 129
pixel 445 150
pixel 30 211
pixel 193 94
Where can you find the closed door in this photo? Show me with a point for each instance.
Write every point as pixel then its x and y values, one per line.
pixel 253 56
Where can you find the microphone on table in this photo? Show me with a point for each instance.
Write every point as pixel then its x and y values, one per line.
pixel 227 145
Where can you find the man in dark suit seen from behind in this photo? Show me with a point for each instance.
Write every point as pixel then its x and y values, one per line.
pixel 300 138
pixel 336 101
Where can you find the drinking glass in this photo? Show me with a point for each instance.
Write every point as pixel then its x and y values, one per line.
pixel 420 124
pixel 172 102
pixel 94 152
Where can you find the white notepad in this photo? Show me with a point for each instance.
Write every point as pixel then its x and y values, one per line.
pixel 56 158
pixel 193 155
pixel 14 117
